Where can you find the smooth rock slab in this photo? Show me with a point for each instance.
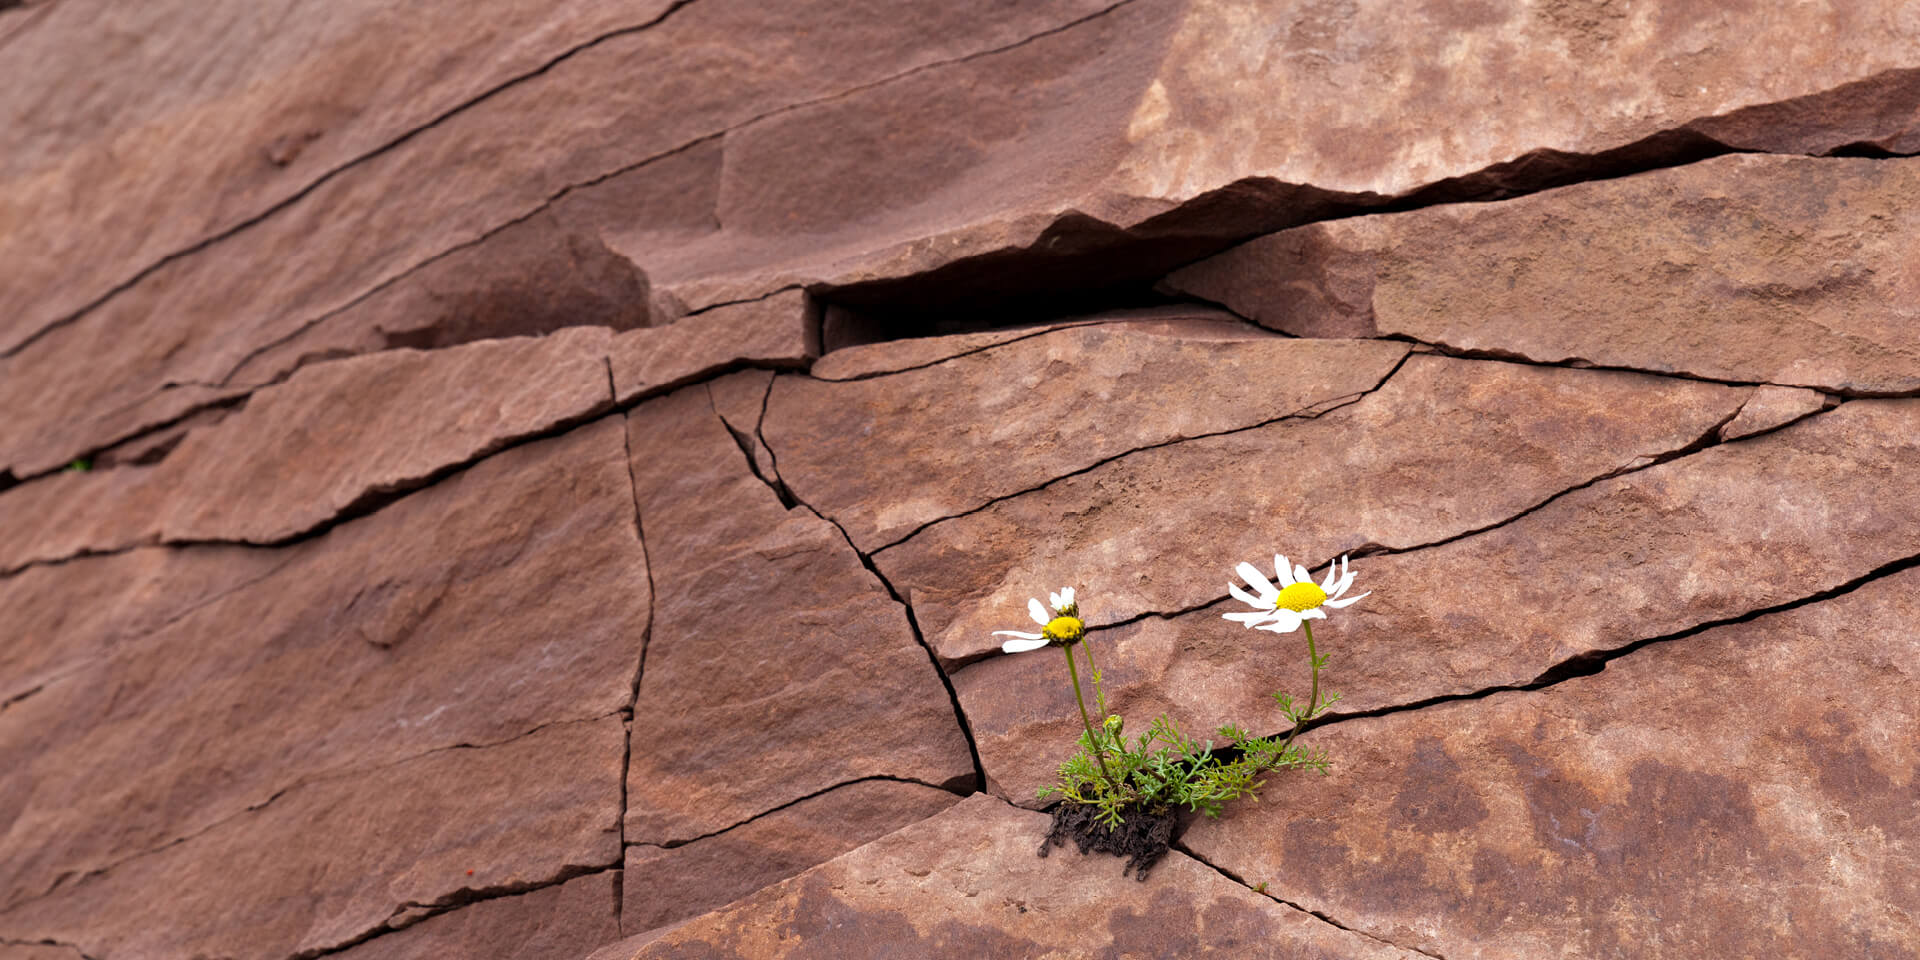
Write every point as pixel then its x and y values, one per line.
pixel 563 922
pixel 1773 407
pixel 670 884
pixel 1746 791
pixel 1759 269
pixel 779 331
pixel 888 455
pixel 1160 530
pixel 967 883
pixel 511 596
pixel 331 861
pixel 777 666
pixel 1706 538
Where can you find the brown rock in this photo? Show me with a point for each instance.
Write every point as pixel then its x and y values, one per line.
pixel 337 438
pixel 967 883
pixel 227 130
pixel 331 861
pixel 1160 530
pixel 1741 792
pixel 38 952
pixel 1773 407
pixel 779 331
pixel 1758 269
pixel 563 922
pixel 778 666
pixel 741 401
pixel 888 455
pixel 1706 538
pixel 667 885
pixel 511 596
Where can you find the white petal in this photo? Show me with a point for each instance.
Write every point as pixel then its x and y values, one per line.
pixel 1037 612
pixel 1337 604
pixel 1283 621
pixel 1256 579
pixel 1333 571
pixel 1053 599
pixel 1315 614
pixel 1022 646
pixel 1016 633
pixel 1345 581
pixel 1300 575
pixel 1249 599
pixel 1066 595
pixel 1281 571
pixel 1248 618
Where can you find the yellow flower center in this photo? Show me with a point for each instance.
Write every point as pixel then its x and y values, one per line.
pixel 1064 629
pixel 1300 597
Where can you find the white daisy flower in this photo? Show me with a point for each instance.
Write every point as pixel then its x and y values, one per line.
pixel 1296 600
pixel 1063 628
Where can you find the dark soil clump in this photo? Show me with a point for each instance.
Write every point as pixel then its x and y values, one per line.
pixel 1143 838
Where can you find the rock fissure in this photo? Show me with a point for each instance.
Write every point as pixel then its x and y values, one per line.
pixel 330 175
pixel 1266 891
pixel 823 791
pixel 412 912
pixel 640 664
pixel 56 944
pixel 745 442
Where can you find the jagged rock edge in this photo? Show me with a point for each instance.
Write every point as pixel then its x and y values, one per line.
pixel 878 777
pixel 1266 891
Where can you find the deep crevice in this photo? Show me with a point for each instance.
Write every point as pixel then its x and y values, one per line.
pixel 1263 890
pixel 646 639
pixel 412 912
pixel 823 791
pixel 745 442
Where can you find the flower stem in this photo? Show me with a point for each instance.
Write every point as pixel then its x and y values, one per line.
pixel 1099 753
pixel 1313 657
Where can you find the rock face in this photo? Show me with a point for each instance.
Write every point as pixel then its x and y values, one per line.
pixel 1670 806
pixel 966 883
pixel 1720 267
pixel 553 923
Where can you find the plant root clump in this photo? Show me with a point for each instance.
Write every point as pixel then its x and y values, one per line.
pixel 1143 838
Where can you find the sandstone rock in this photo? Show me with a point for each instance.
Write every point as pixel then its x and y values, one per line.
pixel 1773 407
pixel 509 597
pixel 778 331
pixel 337 438
pixel 331 861
pixel 633 98
pixel 888 455
pixel 38 952
pixel 564 922
pixel 741 401
pixel 967 883
pixel 1705 538
pixel 777 666
pixel 1680 803
pixel 667 885
pixel 1759 269
pixel 286 95
pixel 1409 464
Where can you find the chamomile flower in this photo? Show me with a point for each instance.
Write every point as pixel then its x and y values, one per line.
pixel 1296 600
pixel 1062 628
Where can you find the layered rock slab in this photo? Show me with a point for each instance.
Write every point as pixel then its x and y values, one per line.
pixel 778 666
pixel 333 861
pixel 562 922
pixel 888 455
pixel 1160 530
pixel 664 885
pixel 1749 268
pixel 512 596
pixel 967 883
pixel 1743 791
pixel 1703 539
pixel 780 331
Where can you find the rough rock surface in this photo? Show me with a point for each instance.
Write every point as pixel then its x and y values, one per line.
pixel 551 923
pixel 777 666
pixel 1773 407
pixel 1748 268
pixel 1678 804
pixel 946 440
pixel 777 332
pixel 1159 531
pixel 966 883
pixel 665 885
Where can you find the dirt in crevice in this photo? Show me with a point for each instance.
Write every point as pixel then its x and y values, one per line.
pixel 1143 837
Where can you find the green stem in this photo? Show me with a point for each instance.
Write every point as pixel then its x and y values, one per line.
pixel 1099 754
pixel 1313 699
pixel 1099 695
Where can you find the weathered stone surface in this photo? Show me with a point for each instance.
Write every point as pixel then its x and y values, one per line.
pixel 1705 538
pixel 564 922
pixel 741 401
pixel 38 952
pixel 778 666
pixel 886 456
pixel 330 861
pixel 967 883
pixel 1740 792
pixel 286 94
pixel 1773 407
pixel 779 331
pixel 667 885
pixel 511 596
pixel 61 616
pixel 1759 269
pixel 335 438
pixel 1408 464
pixel 639 96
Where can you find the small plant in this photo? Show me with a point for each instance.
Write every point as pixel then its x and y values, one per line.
pixel 1120 796
pixel 81 465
